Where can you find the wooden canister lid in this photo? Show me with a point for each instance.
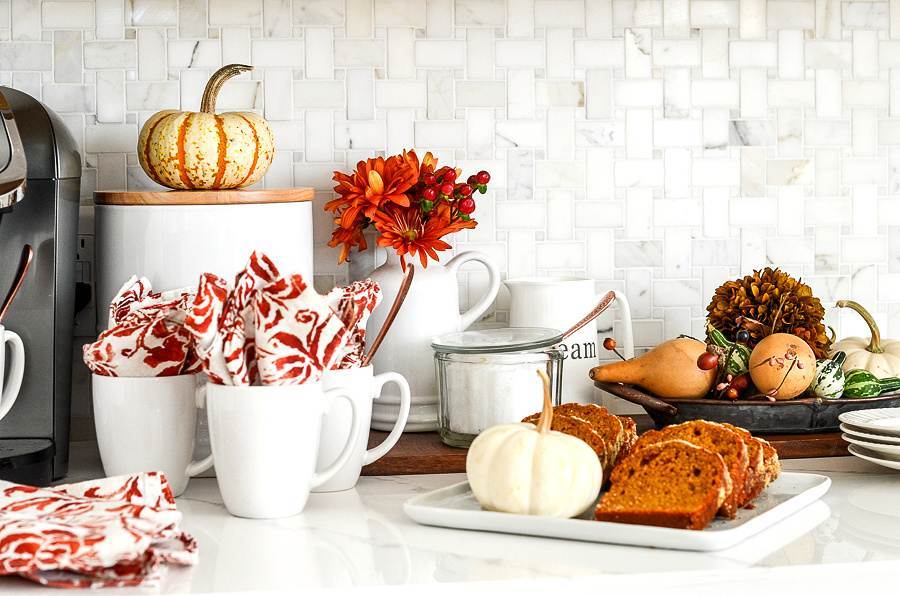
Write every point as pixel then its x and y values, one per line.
pixel 230 196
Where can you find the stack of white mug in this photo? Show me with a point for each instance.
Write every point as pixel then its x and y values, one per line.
pixel 271 445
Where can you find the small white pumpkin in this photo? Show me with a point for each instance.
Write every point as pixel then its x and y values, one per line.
pixel 532 470
pixel 881 357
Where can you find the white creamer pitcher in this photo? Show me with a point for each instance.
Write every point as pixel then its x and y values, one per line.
pixel 431 309
pixel 557 302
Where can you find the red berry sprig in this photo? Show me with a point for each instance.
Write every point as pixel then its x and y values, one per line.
pixel 442 185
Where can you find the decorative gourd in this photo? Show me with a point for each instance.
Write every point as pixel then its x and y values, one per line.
pixel 881 357
pixel 829 380
pixel 862 383
pixel 669 370
pixel 532 470
pixel 204 150
pixel 740 356
pixel 782 366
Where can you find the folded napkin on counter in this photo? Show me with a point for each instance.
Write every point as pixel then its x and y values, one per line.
pixel 146 335
pixel 109 532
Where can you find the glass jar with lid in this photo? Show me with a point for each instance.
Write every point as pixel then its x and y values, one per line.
pixel 489 377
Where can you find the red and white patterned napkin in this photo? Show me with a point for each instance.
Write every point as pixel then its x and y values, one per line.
pixel 268 329
pixel 101 533
pixel 146 336
pixel 298 336
pixel 353 304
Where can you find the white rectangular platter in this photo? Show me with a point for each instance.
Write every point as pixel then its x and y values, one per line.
pixel 455 507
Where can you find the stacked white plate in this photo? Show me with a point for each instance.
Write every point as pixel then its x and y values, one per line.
pixel 874 435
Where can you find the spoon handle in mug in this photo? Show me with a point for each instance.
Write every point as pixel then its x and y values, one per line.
pixel 604 303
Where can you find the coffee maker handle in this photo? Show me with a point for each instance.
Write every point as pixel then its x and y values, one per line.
pixel 16 371
pixel 478 309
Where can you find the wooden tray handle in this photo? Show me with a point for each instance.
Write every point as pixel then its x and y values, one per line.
pixel 636 396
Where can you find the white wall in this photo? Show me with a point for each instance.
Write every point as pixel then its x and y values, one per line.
pixel 660 146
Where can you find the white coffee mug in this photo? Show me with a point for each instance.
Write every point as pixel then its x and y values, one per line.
pixel 13 382
pixel 147 424
pixel 363 386
pixel 557 303
pixel 265 441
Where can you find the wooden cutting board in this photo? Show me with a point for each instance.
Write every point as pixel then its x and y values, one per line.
pixel 423 453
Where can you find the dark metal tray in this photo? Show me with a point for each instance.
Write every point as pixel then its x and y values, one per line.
pixel 794 416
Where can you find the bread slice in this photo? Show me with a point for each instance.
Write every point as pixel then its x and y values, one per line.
pixel 673 484
pixel 717 439
pixel 601 420
pixel 631 437
pixel 614 430
pixel 583 430
pixel 771 463
pixel 756 476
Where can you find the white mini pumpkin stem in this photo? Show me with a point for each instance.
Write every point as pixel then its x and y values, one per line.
pixel 546 419
pixel 874 343
pixel 214 85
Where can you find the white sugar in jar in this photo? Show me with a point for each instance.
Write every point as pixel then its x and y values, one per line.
pixel 478 389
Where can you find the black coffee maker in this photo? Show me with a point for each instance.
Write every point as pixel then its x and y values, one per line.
pixel 41 210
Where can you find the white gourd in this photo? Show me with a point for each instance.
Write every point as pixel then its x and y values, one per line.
pixel 881 357
pixel 532 470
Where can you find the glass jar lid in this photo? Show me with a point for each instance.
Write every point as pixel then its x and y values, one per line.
pixel 495 341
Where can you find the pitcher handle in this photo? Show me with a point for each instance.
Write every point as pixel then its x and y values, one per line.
pixel 16 371
pixel 376 453
pixel 198 467
pixel 320 478
pixel 627 328
pixel 453 265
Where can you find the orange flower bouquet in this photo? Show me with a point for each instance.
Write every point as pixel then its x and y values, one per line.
pixel 411 205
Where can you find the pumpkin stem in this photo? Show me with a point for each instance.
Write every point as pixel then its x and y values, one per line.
pixel 874 343
pixel 546 419
pixel 214 85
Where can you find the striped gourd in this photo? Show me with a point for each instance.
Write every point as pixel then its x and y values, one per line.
pixel 829 380
pixel 862 383
pixel 204 150
pixel 739 362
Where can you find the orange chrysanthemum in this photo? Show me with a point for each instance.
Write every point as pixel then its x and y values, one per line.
pixel 347 238
pixel 374 184
pixel 406 232
pixel 408 202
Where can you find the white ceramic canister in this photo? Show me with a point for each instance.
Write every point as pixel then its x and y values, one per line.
pixel 557 303
pixel 173 237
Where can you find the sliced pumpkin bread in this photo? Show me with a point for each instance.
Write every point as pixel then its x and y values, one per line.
pixel 718 439
pixel 771 463
pixel 673 484
pixel 615 431
pixel 607 424
pixel 756 476
pixel 583 430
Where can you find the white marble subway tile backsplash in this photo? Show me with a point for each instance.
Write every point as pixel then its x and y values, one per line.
pixel 660 146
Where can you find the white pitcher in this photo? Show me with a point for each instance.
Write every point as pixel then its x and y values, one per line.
pixel 557 303
pixel 431 309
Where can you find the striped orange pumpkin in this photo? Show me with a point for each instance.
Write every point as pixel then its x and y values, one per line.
pixel 204 150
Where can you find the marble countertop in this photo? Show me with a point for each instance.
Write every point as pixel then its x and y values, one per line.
pixel 361 538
